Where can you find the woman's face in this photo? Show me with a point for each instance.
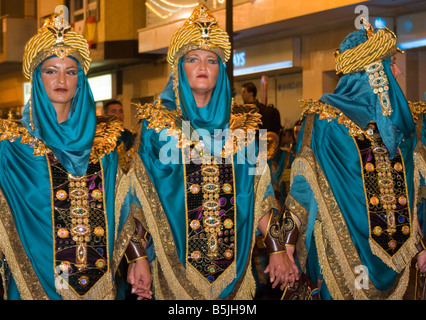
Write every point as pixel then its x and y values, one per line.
pixel 59 77
pixel 202 70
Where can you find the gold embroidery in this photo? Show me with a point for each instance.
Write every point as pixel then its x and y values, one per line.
pixel 418 108
pixel 330 113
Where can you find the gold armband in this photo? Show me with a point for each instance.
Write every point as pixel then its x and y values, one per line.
pixel 421 245
pixel 291 229
pixel 274 240
pixel 135 249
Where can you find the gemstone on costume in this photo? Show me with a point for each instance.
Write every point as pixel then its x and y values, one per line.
pixel 63 233
pixel 228 223
pixel 369 167
pixel 99 231
pixel 195 224
pixel 212 269
pixel 210 170
pixel 402 200
pixel 78 193
pixel 392 244
pixel 211 204
pixel 228 254
pixel 100 263
pixel 398 166
pixel 96 194
pixel 83 281
pixel 374 201
pixel 406 230
pixel 196 255
pixel 79 211
pixel 195 188
pixel 227 188
pixel 211 187
pixel 211 221
pixel 61 195
pixel 80 230
pixel 377 230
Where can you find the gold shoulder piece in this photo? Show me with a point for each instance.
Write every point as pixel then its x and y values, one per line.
pixel 11 129
pixel 107 131
pixel 243 123
pixel 273 141
pixel 158 116
pixel 329 113
pixel 244 117
pixel 417 108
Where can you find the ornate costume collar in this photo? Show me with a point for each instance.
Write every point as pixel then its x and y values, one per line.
pixel 107 131
pixel 242 117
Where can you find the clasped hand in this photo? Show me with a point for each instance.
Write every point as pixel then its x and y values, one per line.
pixel 282 269
pixel 139 276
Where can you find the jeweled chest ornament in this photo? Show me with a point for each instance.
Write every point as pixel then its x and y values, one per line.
pixel 80 226
pixel 211 217
pixel 386 193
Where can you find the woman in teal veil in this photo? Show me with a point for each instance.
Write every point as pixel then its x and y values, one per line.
pixel 60 237
pixel 199 193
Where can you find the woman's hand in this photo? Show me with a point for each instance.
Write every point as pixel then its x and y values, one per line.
pixel 282 270
pixel 139 276
pixel 421 261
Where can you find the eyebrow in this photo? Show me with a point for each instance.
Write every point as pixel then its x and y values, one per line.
pixel 198 55
pixel 56 66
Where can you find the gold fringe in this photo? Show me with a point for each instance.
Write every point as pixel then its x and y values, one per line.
pixel 403 258
pixel 211 291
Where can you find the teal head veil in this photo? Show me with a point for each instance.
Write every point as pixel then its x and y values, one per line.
pixel 355 97
pixel 214 117
pixel 70 141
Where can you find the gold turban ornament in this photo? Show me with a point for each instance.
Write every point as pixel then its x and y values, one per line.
pixel 200 31
pixel 378 47
pixel 55 38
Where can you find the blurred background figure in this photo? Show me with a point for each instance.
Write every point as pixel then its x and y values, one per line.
pixel 125 141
